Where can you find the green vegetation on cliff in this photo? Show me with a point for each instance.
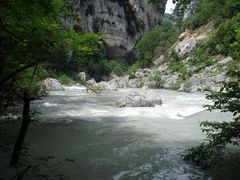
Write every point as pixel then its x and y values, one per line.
pixel 155 42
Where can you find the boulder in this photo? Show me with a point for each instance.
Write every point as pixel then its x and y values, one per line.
pixel 225 60
pixel 123 82
pixel 159 61
pixel 140 98
pixel 107 85
pixel 113 84
pixel 51 84
pixel 147 71
pixel 139 74
pixel 91 82
pixel 133 83
pixel 82 76
pixel 170 80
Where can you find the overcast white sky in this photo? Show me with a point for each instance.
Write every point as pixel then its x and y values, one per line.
pixel 170 6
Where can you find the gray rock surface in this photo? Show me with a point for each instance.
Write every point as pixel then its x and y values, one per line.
pixel 225 60
pixel 170 81
pixel 123 21
pixel 51 84
pixel 187 43
pixel 91 82
pixel 140 98
pixel 82 76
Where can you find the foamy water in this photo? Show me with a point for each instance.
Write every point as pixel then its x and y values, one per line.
pixel 175 105
pixel 121 143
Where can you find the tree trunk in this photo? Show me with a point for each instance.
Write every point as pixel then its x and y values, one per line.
pixel 21 136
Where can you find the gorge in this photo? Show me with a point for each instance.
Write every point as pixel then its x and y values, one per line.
pixel 119 89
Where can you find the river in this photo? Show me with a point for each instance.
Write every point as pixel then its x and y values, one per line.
pixel 107 142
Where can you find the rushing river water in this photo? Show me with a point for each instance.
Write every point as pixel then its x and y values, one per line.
pixel 107 142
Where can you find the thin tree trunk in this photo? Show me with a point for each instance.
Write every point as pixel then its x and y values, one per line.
pixel 21 136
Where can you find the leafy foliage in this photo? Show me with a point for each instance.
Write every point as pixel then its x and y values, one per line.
pixel 33 35
pixel 226 39
pixel 200 57
pixel 176 66
pixel 213 10
pixel 118 67
pixel 64 79
pixel 133 68
pixel 160 38
pixel 219 134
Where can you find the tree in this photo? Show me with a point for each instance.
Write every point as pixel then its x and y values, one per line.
pixel 219 134
pixel 34 33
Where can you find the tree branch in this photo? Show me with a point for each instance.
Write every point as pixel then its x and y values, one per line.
pixel 14 73
pixel 7 31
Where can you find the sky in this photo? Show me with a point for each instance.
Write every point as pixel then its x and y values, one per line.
pixel 169 7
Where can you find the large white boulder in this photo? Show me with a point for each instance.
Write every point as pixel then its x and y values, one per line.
pixel 51 84
pixel 82 76
pixel 140 98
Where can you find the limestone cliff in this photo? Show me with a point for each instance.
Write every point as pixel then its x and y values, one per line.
pixel 183 13
pixel 122 21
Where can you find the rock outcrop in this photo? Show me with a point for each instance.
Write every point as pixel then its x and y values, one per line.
pixel 140 98
pixel 51 84
pixel 123 21
pixel 187 42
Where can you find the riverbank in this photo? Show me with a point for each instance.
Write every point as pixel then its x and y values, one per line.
pixel 107 142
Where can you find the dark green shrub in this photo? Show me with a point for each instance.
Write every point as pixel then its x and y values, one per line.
pixel 219 134
pixel 160 38
pixel 213 10
pixel 118 67
pixel 134 67
pixel 200 57
pixel 226 39
pixel 178 67
pixel 64 79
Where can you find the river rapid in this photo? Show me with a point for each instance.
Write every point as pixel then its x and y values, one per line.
pixel 107 142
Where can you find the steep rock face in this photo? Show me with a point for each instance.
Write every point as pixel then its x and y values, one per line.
pixel 191 9
pixel 123 21
pixel 183 13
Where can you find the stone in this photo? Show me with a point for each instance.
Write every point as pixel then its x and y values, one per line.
pixel 225 60
pixel 169 81
pixel 133 83
pixel 163 68
pixel 147 71
pixel 140 98
pixel 139 74
pixel 152 84
pixel 91 82
pixel 188 43
pixel 51 84
pixel 107 86
pixel 123 82
pixel 195 80
pixel 220 78
pixel 121 31
pixel 159 61
pixel 82 76
pixel 113 84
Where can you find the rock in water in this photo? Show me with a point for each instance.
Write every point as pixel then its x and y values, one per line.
pixel 140 98
pixel 51 84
